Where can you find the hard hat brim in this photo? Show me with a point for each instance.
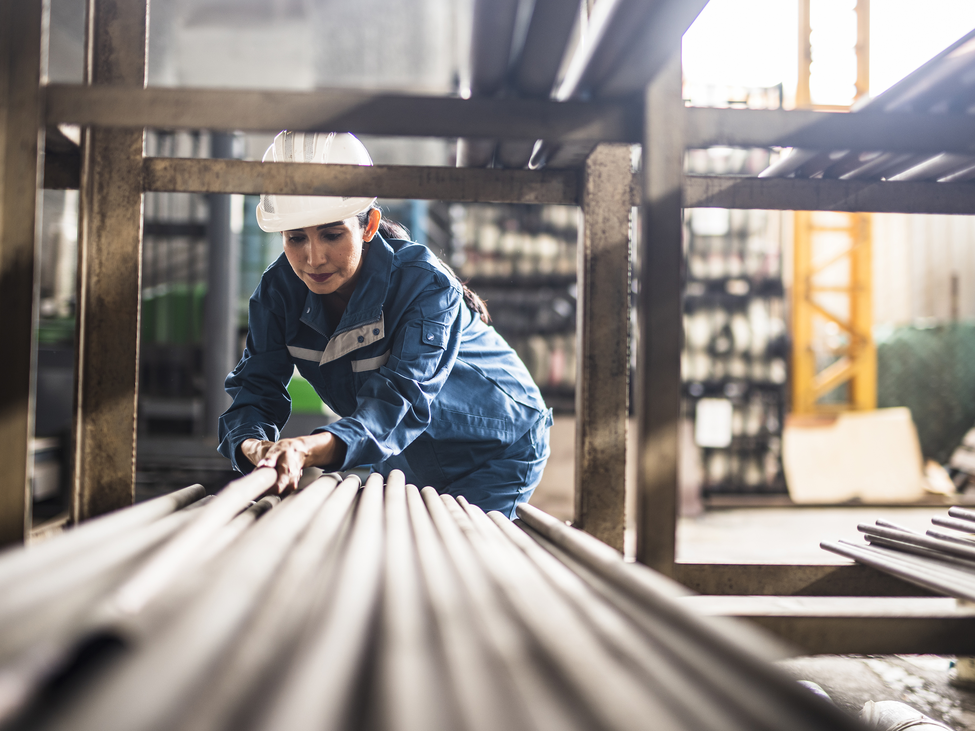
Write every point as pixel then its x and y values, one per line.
pixel 321 209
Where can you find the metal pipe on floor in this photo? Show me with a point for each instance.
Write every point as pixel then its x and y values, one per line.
pixel 18 563
pixel 965 526
pixel 320 686
pixel 176 657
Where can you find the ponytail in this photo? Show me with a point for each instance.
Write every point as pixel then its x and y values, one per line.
pixel 395 230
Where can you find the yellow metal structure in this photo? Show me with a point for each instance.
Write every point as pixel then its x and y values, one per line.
pixel 834 359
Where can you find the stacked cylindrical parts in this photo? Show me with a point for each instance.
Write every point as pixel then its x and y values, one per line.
pixel 366 606
pixel 942 561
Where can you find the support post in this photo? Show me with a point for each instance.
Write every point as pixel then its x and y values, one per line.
pixel 601 342
pixel 109 271
pixel 20 178
pixel 660 320
pixel 220 350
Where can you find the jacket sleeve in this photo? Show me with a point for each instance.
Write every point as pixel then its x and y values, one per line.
pixel 394 404
pixel 258 386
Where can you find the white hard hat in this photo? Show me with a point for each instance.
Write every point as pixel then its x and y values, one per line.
pixel 287 212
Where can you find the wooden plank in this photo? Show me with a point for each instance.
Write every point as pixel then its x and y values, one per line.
pixel 109 273
pixel 360 112
pixel 20 140
pixel 601 325
pixel 558 187
pixel 660 317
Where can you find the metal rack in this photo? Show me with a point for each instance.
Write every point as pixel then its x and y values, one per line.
pixel 114 108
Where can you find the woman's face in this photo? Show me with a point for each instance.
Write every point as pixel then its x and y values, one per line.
pixel 328 258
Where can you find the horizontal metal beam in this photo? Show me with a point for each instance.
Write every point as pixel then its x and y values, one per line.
pixel 853 625
pixel 887 131
pixel 386 181
pixel 342 110
pixel 548 186
pixel 792 580
pixel 790 194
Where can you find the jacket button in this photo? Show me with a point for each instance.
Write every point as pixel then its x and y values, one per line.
pixel 362 339
pixel 375 331
pixel 308 310
pixel 429 337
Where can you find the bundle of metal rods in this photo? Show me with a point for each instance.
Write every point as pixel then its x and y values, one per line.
pixel 365 606
pixel 942 561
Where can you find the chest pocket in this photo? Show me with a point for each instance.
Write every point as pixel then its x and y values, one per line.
pixel 423 348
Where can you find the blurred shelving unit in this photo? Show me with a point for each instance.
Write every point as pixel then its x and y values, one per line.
pixel 522 261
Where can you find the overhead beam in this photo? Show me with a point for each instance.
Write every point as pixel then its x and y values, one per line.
pixel 887 131
pixel 543 187
pixel 791 194
pixel 343 110
pixel 558 187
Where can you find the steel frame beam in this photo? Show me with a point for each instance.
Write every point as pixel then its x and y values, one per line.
pixel 546 186
pixel 602 321
pixel 660 319
pixel 792 580
pixel 341 109
pixel 109 272
pixel 510 119
pixel 854 625
pixel 864 196
pixel 815 130
pixel 21 138
pixel 560 187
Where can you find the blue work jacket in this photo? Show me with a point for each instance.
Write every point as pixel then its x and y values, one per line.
pixel 421 383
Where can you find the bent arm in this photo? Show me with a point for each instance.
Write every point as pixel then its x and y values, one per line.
pixel 394 405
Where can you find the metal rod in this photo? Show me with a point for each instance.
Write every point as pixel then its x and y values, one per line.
pixel 25 563
pixel 590 671
pixel 531 696
pixel 959 524
pixel 177 657
pixel 252 671
pixel 725 656
pixel 318 689
pixel 883 562
pixel 164 566
pixel 411 670
pixel 962 513
pixel 483 699
pixel 918 540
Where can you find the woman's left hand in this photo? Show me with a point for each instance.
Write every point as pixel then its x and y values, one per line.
pixel 290 456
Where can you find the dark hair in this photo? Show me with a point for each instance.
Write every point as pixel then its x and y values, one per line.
pixel 390 229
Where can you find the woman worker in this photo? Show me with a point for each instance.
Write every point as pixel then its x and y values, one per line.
pixel 390 341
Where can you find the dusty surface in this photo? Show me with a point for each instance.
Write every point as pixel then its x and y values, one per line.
pixel 920 681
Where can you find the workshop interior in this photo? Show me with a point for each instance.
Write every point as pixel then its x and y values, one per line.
pixel 726 255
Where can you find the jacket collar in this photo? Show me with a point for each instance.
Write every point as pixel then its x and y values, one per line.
pixel 366 305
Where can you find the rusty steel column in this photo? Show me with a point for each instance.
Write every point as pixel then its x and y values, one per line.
pixel 109 271
pixel 21 137
pixel 660 319
pixel 601 341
